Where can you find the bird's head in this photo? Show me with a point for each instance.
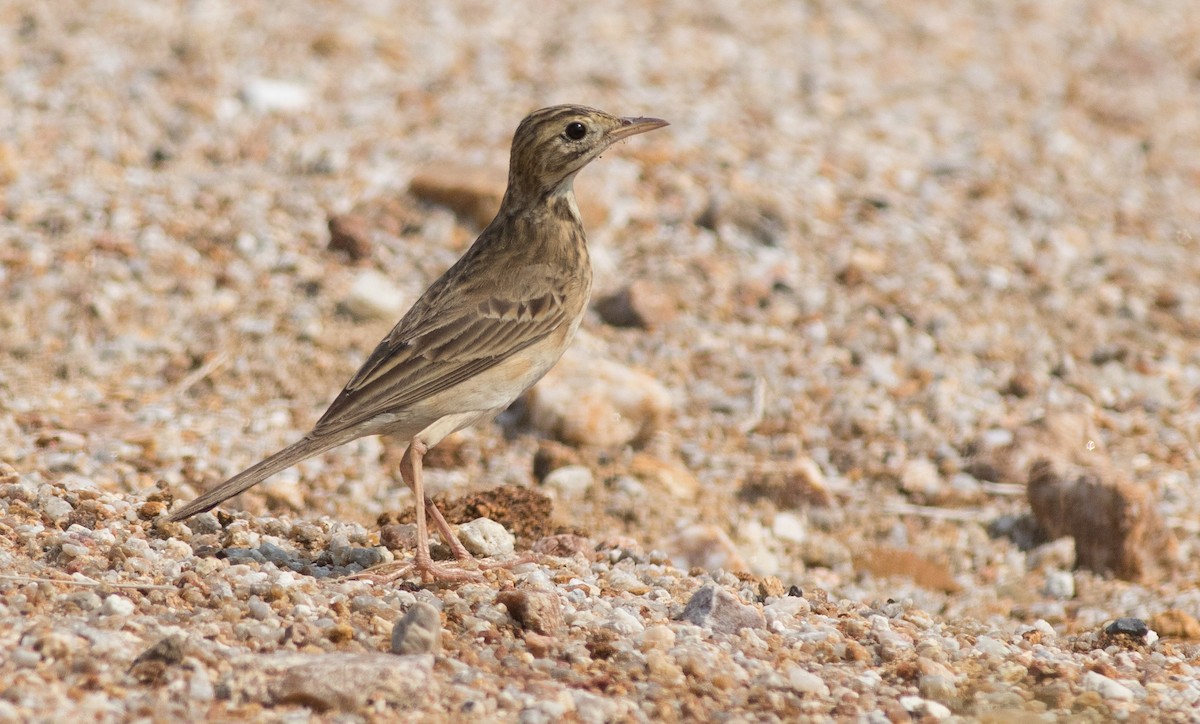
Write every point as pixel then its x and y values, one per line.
pixel 552 144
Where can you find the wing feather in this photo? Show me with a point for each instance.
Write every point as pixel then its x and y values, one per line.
pixel 429 352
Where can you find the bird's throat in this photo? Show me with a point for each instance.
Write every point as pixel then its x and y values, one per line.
pixel 562 202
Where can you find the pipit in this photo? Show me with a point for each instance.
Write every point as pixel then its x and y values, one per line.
pixel 480 335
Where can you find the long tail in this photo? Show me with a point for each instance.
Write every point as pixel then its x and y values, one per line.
pixel 255 474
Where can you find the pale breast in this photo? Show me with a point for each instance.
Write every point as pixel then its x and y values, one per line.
pixel 484 395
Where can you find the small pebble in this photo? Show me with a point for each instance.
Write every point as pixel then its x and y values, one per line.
pixel 920 476
pixel 538 611
pixel 25 658
pixel 937 687
pixel 419 631
pixel 266 95
pixel 641 303
pixel 338 681
pixel 115 605
pixel 1106 687
pixel 790 527
pixel 717 609
pixel 1060 585
pixel 919 707
pixel 486 538
pixel 668 475
pixel 200 686
pixel 374 296
pixel 624 623
pixel 1128 626
pixel 571 481
pixel 657 636
pixel 807 682
pixel 56 508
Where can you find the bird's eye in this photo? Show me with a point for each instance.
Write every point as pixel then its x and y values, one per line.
pixel 576 130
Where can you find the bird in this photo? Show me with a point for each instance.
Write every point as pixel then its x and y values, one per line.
pixel 482 334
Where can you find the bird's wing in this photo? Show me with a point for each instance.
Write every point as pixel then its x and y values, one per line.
pixel 443 340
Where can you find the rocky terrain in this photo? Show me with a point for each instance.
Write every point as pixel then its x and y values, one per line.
pixel 885 409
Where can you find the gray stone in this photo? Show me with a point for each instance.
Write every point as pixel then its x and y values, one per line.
pixel 419 631
pixel 335 681
pixel 717 609
pixel 278 555
pixel 343 553
pixel 538 611
pixel 202 523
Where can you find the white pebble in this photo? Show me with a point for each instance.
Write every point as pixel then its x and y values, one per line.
pixel 267 94
pixel 56 508
pixel 785 609
pixel 789 527
pixel 200 686
pixel 259 609
pixel 658 636
pixel 1060 585
pixel 116 605
pixel 807 682
pixel 1106 687
pixel 625 623
pixel 997 437
pixel 73 550
pixel 24 658
pixel 920 475
pixel 919 707
pixel 989 646
pixel 486 538
pixel 374 296
pixel 571 481
pixel 587 398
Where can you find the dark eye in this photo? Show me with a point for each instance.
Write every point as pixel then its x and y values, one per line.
pixel 576 130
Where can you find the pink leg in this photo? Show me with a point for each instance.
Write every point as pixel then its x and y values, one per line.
pixel 422 563
pixel 444 529
pixel 411 471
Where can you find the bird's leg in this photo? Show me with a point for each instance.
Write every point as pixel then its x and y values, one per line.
pixel 411 472
pixel 456 546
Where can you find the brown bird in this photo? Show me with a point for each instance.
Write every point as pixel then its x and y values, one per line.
pixel 484 332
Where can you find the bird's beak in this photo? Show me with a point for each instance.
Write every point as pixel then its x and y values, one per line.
pixel 633 126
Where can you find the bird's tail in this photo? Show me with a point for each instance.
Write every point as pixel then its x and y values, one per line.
pixel 255 474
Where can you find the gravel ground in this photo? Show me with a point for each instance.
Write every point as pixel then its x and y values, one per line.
pixel 883 261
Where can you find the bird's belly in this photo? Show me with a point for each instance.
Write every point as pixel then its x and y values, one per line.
pixel 486 394
pixel 500 386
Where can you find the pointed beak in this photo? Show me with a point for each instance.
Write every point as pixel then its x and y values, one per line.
pixel 633 126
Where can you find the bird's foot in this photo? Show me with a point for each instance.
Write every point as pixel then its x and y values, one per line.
pixel 458 571
pixel 427 569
